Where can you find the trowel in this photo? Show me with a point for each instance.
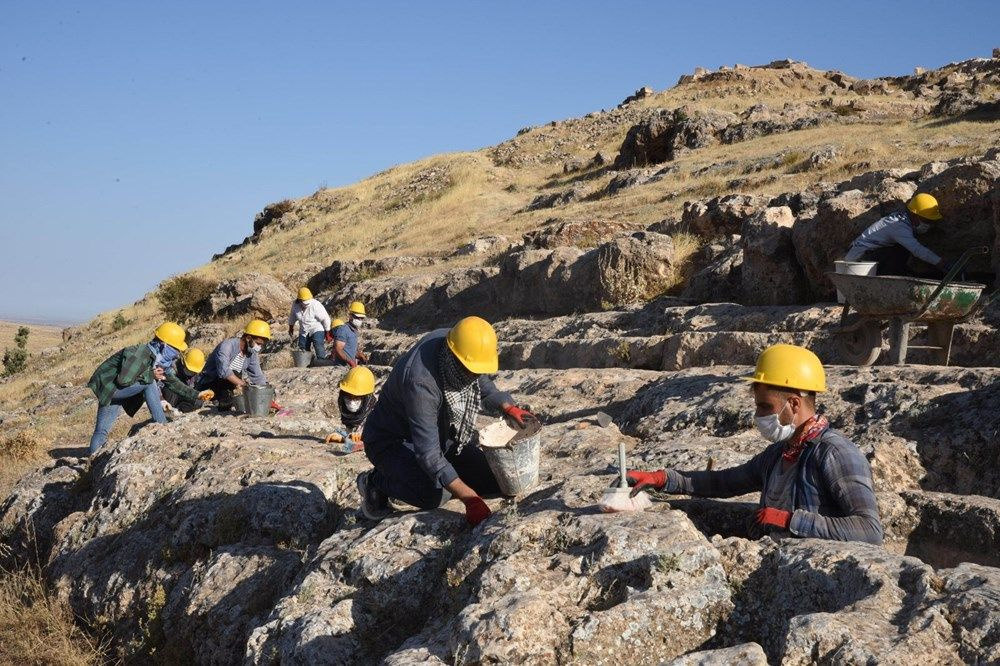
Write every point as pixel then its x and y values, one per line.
pixel 616 499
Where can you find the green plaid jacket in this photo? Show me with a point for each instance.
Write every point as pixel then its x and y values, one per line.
pixel 131 365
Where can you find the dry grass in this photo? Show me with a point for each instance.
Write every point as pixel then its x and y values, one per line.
pixel 40 337
pixel 36 628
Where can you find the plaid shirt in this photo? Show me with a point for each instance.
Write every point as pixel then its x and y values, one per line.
pixel 833 493
pixel 128 366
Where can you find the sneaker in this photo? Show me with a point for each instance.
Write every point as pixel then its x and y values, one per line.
pixel 374 504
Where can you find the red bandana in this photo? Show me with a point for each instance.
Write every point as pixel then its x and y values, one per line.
pixel 814 427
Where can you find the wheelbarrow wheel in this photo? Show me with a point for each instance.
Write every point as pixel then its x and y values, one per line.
pixel 861 345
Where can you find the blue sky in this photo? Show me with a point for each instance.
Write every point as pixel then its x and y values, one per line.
pixel 137 139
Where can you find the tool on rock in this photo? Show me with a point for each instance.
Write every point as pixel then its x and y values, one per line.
pixel 616 499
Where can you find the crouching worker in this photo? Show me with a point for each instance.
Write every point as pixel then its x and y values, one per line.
pixel 355 402
pixel 813 481
pixel 421 436
pixel 235 362
pixel 128 379
pixel 188 372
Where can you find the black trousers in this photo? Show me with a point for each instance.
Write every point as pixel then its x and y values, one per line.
pixel 398 475
pixel 892 260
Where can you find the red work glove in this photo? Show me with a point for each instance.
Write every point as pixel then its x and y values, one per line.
pixel 642 480
pixel 776 517
pixel 276 406
pixel 518 415
pixel 328 337
pixel 476 510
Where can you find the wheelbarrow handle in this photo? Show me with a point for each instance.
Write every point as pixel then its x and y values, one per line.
pixel 956 268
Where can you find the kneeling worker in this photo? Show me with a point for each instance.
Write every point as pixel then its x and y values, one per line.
pixel 421 437
pixel 813 481
pixel 892 239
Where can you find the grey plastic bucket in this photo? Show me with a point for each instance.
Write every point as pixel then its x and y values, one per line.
pixel 515 466
pixel 302 357
pixel 258 399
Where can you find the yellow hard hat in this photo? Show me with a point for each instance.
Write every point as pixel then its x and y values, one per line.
pixel 474 342
pixel 358 381
pixel 304 294
pixel 926 206
pixel 172 334
pixel 358 308
pixel 258 328
pixel 789 366
pixel 194 360
pixel 337 322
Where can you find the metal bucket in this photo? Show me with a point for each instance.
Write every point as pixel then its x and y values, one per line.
pixel 302 357
pixel 239 403
pixel 258 399
pixel 515 465
pixel 854 268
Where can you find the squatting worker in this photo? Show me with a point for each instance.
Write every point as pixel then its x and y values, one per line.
pixel 188 372
pixel 813 481
pixel 355 401
pixel 129 378
pixel 235 362
pixel 892 239
pixel 421 437
pixel 313 321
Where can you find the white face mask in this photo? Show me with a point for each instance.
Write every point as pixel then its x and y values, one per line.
pixel 255 348
pixel 352 405
pixel 772 429
pixel 358 323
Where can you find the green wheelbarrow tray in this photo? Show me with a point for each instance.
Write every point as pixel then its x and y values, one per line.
pixel 884 296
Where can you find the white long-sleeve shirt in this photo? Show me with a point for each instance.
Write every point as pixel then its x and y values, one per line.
pixel 311 317
pixel 894 229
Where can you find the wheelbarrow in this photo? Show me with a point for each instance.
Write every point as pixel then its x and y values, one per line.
pixel 897 303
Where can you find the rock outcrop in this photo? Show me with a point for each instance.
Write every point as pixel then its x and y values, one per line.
pixel 220 539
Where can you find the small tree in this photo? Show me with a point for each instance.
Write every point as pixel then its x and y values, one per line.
pixel 119 322
pixel 15 359
pixel 181 297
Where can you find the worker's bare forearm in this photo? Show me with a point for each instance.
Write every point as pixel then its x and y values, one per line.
pixel 460 489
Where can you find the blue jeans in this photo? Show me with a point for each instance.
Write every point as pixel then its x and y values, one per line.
pixel 318 341
pixel 107 415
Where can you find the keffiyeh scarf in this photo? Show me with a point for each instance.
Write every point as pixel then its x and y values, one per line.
pixel 461 395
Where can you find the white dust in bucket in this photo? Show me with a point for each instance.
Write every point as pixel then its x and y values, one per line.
pixel 496 435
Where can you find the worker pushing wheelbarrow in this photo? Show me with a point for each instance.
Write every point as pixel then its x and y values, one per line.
pixel 898 303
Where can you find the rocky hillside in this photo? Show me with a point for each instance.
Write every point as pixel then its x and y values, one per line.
pixel 635 261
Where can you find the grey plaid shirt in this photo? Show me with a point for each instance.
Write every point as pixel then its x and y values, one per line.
pixel 833 493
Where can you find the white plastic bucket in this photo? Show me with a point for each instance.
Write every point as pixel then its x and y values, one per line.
pixel 854 268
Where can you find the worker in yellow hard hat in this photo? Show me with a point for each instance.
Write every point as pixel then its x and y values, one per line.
pixel 347 347
pixel 132 377
pixel 421 437
pixel 235 362
pixel 188 372
pixel 355 400
pixel 313 321
pixel 892 239
pixel 812 480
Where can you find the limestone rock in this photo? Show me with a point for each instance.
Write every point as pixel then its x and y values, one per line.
pixel 251 295
pixel 770 273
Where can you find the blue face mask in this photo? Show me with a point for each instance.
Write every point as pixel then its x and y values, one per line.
pixel 166 355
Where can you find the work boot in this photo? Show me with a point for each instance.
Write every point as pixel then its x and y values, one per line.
pixel 374 503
